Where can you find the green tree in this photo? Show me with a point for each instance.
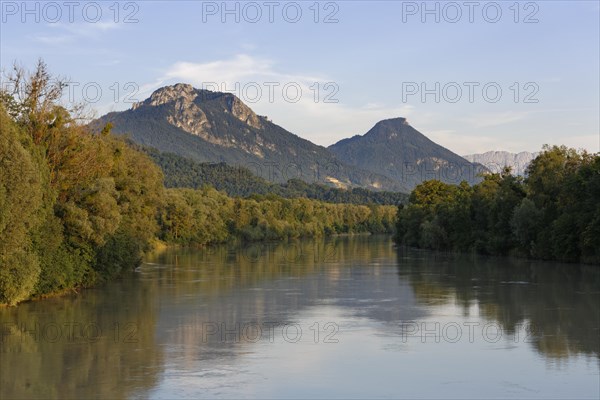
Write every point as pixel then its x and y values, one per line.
pixel 20 202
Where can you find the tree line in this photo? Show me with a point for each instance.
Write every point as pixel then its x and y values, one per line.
pixel 553 213
pixel 239 181
pixel 78 208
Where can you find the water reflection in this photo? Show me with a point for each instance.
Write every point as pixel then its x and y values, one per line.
pixel 269 284
pixel 100 344
pixel 226 321
pixel 560 303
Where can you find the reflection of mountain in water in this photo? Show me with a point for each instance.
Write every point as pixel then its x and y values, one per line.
pixel 561 302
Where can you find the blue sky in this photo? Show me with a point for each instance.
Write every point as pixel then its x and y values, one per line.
pixel 359 63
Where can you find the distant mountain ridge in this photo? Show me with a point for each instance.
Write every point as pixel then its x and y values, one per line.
pixel 495 161
pixel 218 127
pixel 215 127
pixel 397 150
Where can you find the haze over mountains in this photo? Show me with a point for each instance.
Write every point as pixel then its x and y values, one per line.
pixel 218 127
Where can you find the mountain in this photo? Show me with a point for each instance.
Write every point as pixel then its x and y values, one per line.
pixel 495 161
pixel 218 127
pixel 397 150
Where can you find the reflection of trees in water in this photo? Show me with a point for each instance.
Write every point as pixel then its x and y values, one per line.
pixel 71 348
pixel 164 304
pixel 266 283
pixel 174 295
pixel 222 268
pixel 561 302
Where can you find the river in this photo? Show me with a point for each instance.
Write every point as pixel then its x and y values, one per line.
pixel 342 317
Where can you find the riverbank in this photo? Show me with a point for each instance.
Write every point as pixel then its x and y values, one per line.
pixel 552 214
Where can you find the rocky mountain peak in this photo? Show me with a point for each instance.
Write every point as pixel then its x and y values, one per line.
pixel 213 126
pixel 187 104
pixel 168 94
pixel 398 121
pixel 388 129
pixel 396 149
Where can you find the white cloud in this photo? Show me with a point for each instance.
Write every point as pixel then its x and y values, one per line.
pixel 240 69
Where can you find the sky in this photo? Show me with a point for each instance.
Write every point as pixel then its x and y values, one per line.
pixel 472 76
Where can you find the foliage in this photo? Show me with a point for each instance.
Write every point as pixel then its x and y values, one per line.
pixel 207 216
pixel 554 213
pixel 20 201
pixel 181 172
pixel 71 203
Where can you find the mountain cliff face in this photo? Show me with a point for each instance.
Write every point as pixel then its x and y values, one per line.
pixel 495 161
pixel 218 127
pixel 397 150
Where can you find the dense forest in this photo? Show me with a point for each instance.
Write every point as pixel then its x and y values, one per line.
pixel 238 181
pixel 78 208
pixel 553 213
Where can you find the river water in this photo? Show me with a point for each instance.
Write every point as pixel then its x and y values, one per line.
pixel 344 317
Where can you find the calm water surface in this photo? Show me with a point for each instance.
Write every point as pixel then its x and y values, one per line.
pixel 349 317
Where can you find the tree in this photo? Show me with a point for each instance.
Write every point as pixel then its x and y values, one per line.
pixel 553 214
pixel 525 224
pixel 76 208
pixel 20 202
